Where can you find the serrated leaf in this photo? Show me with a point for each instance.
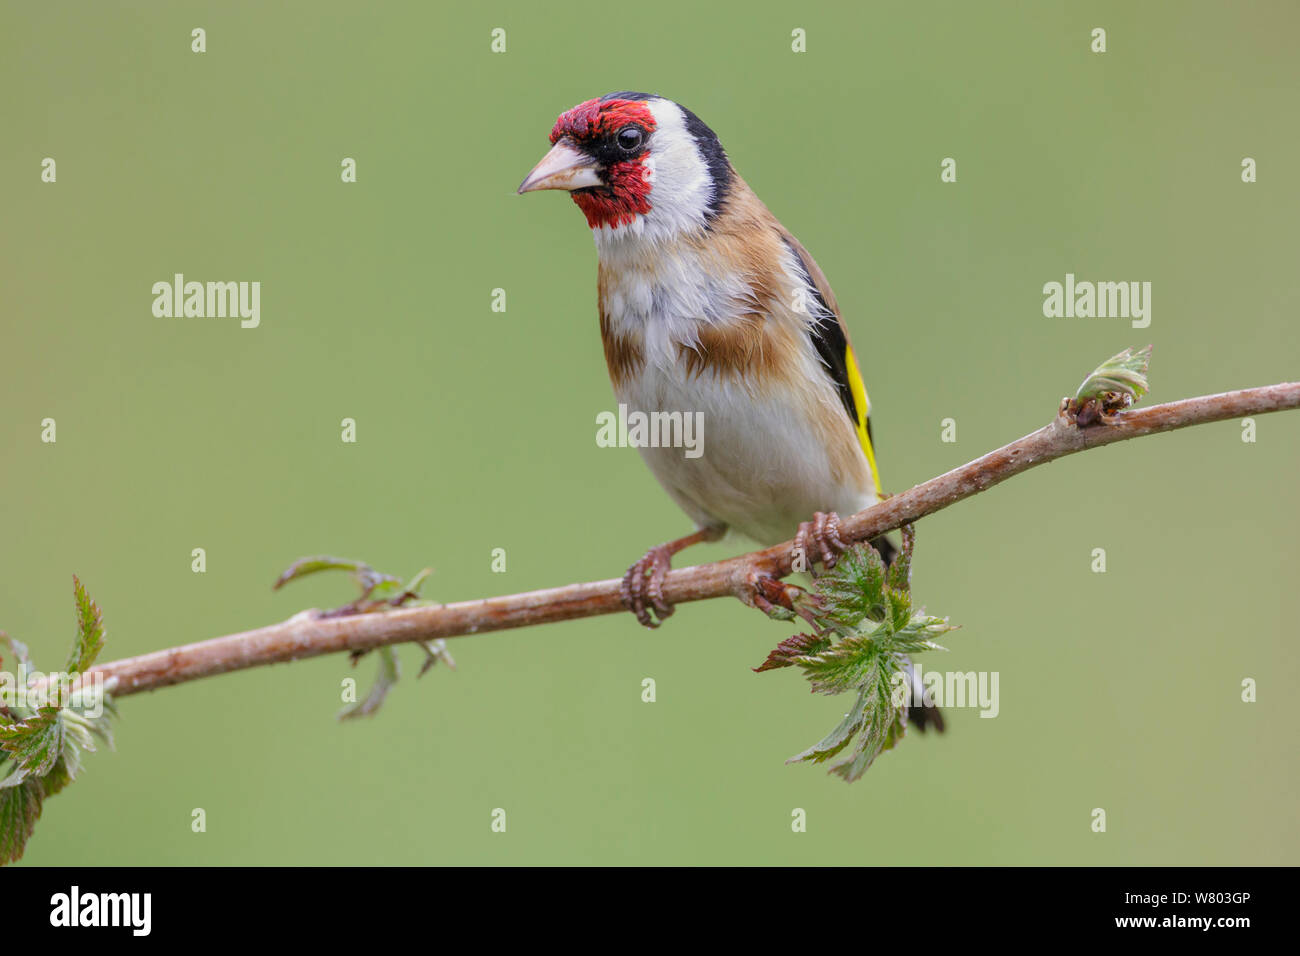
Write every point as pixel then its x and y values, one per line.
pixel 90 631
pixel 41 752
pixel 854 589
pixel 846 665
pixel 100 727
pixel 920 634
pixel 788 651
pixel 898 608
pixel 867 630
pixel 61 774
pixel 20 806
pixel 35 742
pixel 882 726
pixel 835 741
pixel 872 744
pixel 899 575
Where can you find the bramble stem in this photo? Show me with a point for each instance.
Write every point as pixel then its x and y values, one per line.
pixel 309 635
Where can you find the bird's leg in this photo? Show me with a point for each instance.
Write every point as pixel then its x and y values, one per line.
pixel 823 533
pixel 637 589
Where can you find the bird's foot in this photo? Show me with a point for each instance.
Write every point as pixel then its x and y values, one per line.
pixel 644 584
pixel 822 533
pixel 777 599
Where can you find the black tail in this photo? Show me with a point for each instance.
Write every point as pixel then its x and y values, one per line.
pixel 922 712
pixel 886 549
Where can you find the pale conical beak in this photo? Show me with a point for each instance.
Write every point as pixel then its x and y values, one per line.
pixel 564 167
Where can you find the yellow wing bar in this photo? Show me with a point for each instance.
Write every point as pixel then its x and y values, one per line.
pixel 863 407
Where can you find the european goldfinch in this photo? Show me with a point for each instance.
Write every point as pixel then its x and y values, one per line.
pixel 708 304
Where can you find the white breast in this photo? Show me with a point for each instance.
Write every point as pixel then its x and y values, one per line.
pixel 764 466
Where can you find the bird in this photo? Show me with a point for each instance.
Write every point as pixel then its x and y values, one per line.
pixel 709 306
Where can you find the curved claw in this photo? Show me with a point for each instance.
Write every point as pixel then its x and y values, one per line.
pixel 636 589
pixel 823 532
pixel 657 562
pixel 776 598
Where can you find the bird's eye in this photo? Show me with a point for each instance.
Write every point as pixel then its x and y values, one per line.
pixel 630 138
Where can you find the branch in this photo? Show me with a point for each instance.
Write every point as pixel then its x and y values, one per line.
pixel 309 634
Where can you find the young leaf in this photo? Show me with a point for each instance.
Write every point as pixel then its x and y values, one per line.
pixel 379 592
pixel 846 665
pixel 365 576
pixel 855 588
pixel 60 775
pixel 1112 387
pixel 86 703
pixel 90 631
pixel 1125 374
pixel 36 742
pixel 874 740
pixel 835 741
pixel 389 672
pixel 20 805
pixel 900 569
pixel 866 630
pixel 41 752
pixel 788 651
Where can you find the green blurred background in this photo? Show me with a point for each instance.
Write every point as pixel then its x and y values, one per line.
pixel 476 429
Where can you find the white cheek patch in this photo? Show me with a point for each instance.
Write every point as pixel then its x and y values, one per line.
pixel 680 185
